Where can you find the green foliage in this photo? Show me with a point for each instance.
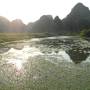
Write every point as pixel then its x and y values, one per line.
pixel 85 33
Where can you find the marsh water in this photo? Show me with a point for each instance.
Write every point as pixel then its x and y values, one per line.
pixel 51 63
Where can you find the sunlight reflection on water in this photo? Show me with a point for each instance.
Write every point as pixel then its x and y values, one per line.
pixel 19 57
pixel 17 63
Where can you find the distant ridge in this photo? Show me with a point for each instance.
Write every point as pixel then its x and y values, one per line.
pixel 79 18
pixel 74 22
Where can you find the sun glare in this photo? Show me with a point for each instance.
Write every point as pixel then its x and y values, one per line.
pixel 18 64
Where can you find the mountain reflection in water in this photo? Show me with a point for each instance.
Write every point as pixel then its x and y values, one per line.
pixel 77 49
pixel 78 55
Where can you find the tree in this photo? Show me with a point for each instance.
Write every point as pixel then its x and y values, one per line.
pixel 85 33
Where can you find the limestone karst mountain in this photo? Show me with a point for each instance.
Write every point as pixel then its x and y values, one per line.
pixel 74 22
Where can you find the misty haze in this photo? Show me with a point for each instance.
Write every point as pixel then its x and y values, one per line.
pixel 47 54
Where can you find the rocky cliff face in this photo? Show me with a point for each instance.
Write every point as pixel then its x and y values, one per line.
pixel 4 24
pixel 17 26
pixel 46 24
pixel 78 19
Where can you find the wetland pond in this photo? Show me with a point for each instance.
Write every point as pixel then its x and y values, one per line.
pixel 51 63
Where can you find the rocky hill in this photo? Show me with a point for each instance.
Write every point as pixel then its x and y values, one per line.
pixel 74 22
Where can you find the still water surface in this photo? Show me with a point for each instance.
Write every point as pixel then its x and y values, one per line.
pixel 52 63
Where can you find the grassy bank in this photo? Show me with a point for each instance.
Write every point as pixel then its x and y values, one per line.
pixel 6 37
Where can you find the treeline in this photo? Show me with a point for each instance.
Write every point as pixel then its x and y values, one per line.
pixel 74 23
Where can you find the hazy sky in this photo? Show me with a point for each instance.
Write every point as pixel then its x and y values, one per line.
pixel 31 10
